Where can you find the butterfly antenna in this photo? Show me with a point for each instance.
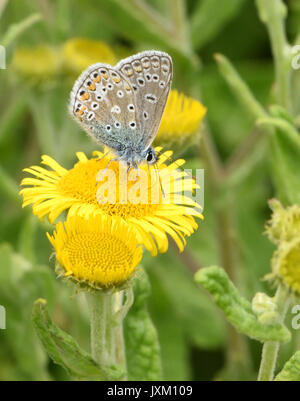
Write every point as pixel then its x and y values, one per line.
pixel 102 157
pixel 173 161
pixel 160 183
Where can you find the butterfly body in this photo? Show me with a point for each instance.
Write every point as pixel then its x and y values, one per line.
pixel 122 106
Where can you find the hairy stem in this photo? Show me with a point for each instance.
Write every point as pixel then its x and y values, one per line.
pixel 271 348
pixel 102 326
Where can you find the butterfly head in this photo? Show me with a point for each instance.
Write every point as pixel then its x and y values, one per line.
pixel 150 156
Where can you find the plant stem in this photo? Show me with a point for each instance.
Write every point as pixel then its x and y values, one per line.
pixel 271 348
pixel 102 327
pixel 178 10
pixel 273 13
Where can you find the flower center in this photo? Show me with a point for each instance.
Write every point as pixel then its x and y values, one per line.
pixel 97 257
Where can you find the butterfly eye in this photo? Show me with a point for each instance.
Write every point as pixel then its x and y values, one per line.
pixel 151 156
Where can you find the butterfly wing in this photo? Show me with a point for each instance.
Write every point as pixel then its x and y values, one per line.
pixel 150 74
pixel 104 103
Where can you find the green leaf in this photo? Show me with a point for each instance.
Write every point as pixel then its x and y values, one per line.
pixel 291 370
pixel 64 351
pixel 142 347
pixel 236 308
pixel 201 321
pixel 209 18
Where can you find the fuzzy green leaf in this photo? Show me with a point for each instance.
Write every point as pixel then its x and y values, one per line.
pixel 236 308
pixel 142 347
pixel 64 350
pixel 291 370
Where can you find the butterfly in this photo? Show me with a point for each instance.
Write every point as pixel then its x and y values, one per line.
pixel 122 106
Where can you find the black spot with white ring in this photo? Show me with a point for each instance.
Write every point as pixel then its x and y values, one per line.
pixel 141 81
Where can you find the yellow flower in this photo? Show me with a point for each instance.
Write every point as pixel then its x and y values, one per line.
pixel 286 263
pixel 181 120
pixel 284 224
pixel 53 191
pixel 79 53
pixel 100 252
pixel 38 63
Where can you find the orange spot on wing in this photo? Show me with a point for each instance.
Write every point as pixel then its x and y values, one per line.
pixel 92 87
pixel 86 96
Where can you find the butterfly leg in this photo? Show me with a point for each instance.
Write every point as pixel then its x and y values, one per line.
pixel 101 176
pixel 136 167
pixel 126 173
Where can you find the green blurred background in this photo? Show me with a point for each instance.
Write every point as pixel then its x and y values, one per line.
pixel 34 120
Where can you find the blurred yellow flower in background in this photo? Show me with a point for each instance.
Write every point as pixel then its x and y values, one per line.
pixel 37 63
pixel 53 191
pixel 101 252
pixel 80 53
pixel 180 121
pixel 284 224
pixel 283 229
pixel 286 263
